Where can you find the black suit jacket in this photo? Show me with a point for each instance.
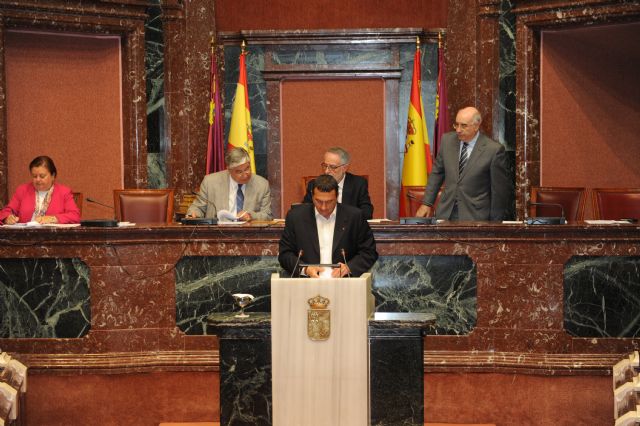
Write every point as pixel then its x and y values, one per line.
pixel 355 192
pixel 352 233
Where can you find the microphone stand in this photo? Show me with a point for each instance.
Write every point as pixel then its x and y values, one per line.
pixel 344 257
pixel 91 200
pixel 293 272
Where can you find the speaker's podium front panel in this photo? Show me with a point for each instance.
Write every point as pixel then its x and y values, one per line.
pixel 320 352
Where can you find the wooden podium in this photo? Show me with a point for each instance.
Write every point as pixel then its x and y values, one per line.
pixel 320 354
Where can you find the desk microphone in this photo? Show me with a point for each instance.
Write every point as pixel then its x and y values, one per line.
pixel 418 220
pixel 547 220
pixel 201 220
pixel 206 200
pixel 91 200
pixel 344 257
pixel 300 253
pixel 99 223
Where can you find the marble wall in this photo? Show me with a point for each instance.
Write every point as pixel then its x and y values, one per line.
pixel 601 296
pixel 44 298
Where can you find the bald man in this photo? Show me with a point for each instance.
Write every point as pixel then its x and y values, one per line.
pixel 480 190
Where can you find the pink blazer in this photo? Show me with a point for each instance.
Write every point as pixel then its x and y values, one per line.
pixel 23 203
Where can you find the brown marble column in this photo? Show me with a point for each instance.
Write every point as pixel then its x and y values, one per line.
pixel 187 57
pixel 4 169
pixel 472 58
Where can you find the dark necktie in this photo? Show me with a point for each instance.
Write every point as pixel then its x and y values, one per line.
pixel 463 158
pixel 239 198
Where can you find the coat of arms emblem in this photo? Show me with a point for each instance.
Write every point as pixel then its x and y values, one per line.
pixel 318 318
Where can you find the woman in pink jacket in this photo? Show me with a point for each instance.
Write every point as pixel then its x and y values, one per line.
pixel 42 200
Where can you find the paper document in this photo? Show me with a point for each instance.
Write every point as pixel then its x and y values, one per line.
pixel 226 216
pixel 605 222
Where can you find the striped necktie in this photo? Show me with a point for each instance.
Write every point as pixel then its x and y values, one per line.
pixel 463 158
pixel 239 199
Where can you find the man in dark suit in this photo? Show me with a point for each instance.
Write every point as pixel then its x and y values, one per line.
pixel 327 232
pixel 353 190
pixel 473 169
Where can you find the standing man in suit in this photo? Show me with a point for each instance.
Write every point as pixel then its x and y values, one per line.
pixel 235 189
pixel 353 190
pixel 473 169
pixel 327 232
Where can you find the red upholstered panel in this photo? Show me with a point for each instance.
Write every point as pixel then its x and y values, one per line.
pixel 616 203
pixel 572 201
pixel 64 100
pixel 319 114
pixel 144 205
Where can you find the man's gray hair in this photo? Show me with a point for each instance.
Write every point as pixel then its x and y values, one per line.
pixel 236 156
pixel 477 118
pixel 345 158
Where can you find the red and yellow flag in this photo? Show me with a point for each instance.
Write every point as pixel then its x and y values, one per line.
pixel 417 153
pixel 240 134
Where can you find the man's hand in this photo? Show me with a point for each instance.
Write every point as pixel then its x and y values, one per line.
pixel 245 216
pixel 424 211
pixel 314 271
pixel 340 272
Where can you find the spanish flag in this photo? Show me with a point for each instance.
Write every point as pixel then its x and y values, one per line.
pixel 240 134
pixel 417 153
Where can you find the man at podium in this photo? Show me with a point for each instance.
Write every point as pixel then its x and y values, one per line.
pixel 326 233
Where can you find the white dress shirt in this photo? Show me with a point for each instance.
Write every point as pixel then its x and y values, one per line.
pixel 325 238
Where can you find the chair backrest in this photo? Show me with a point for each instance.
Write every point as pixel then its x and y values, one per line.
pixel 415 194
pixel 77 197
pixel 572 201
pixel 183 206
pixel 616 203
pixel 143 205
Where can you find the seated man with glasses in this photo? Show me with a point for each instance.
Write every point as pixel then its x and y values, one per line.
pixel 236 190
pixel 473 169
pixel 353 190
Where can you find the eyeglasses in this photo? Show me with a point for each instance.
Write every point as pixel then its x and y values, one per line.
pixel 462 126
pixel 241 171
pixel 331 166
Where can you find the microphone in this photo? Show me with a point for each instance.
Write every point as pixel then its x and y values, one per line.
pixel 99 223
pixel 206 200
pixel 201 220
pixel 344 257
pixel 300 253
pixel 418 220
pixel 91 200
pixel 547 220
